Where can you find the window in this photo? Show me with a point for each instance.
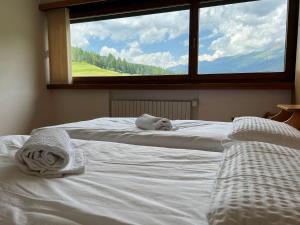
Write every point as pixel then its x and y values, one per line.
pixel 243 38
pixel 155 44
pixel 181 42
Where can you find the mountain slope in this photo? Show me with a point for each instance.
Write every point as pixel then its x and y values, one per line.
pixel 266 61
pixel 180 69
pixel 91 64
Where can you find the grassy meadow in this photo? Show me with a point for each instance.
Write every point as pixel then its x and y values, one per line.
pixel 83 69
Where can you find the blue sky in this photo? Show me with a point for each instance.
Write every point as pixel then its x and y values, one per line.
pixel 162 39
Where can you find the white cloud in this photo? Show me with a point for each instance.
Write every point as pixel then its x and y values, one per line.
pixel 105 51
pixel 134 54
pixel 243 28
pixel 183 60
pixel 230 30
pixel 77 37
pixel 146 29
pixel 209 58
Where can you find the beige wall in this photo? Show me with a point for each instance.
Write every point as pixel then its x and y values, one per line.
pixel 219 105
pixel 23 98
pixel 225 104
pixel 25 101
pixel 75 105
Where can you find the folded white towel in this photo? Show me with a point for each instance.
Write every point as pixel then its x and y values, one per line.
pixel 48 153
pixel 148 122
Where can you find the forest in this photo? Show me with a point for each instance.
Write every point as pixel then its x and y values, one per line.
pixel 112 63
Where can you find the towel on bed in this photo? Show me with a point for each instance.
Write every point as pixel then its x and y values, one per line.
pixel 48 153
pixel 148 122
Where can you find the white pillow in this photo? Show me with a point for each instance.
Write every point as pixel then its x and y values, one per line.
pixel 265 130
pixel 257 184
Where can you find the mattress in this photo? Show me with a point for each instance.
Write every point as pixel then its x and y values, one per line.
pixel 189 134
pixel 123 184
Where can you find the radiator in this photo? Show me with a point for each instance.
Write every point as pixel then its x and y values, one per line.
pixel 134 108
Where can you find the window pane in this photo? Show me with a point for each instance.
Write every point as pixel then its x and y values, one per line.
pixel 154 44
pixel 243 38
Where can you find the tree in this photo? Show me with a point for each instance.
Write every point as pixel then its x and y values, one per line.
pixel 111 63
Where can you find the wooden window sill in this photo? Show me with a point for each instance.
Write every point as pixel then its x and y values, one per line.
pixel 170 86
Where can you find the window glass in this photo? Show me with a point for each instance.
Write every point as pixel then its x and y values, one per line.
pixel 154 44
pixel 243 38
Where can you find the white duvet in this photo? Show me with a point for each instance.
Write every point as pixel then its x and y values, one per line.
pixel 123 184
pixel 189 134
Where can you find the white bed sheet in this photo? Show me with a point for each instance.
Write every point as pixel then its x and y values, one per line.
pixel 190 134
pixel 123 184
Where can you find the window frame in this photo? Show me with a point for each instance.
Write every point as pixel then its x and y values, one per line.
pixel 117 9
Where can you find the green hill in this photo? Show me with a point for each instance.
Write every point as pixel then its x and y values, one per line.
pixel 82 69
pixel 109 65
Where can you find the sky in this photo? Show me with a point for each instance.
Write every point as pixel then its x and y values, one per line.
pixel 162 39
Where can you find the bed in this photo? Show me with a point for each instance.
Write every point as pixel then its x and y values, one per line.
pixel 255 180
pixel 123 184
pixel 189 134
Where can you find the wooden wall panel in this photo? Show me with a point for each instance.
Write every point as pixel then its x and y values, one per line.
pixel 59 46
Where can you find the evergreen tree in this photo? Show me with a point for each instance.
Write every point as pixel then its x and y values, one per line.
pixel 119 65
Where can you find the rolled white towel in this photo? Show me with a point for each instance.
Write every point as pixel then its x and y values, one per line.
pixel 48 153
pixel 148 122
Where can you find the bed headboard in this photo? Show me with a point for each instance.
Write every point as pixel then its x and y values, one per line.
pixel 289 114
pixel 172 109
